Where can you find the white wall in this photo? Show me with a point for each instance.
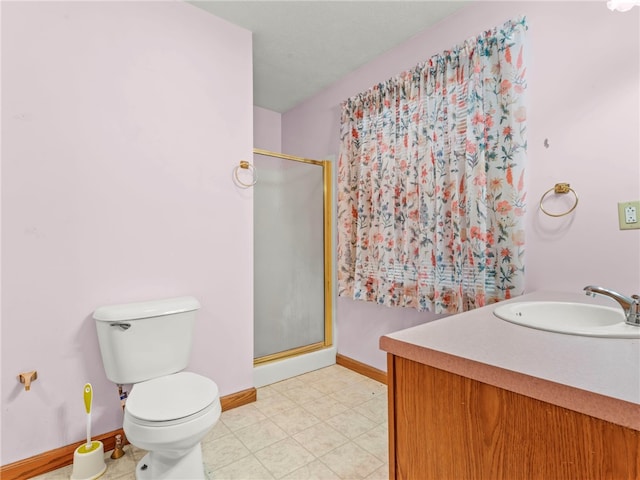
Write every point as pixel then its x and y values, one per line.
pixel 122 123
pixel 583 68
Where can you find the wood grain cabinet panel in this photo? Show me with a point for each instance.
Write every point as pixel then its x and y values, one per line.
pixel 443 426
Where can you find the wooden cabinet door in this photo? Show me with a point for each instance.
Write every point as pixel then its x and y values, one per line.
pixel 444 426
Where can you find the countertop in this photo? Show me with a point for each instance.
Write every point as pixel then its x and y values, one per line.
pixel 599 377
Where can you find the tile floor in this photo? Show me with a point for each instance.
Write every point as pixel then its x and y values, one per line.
pixel 326 424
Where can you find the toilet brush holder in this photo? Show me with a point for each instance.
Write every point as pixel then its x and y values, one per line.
pixel 88 461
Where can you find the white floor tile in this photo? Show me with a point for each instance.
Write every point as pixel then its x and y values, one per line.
pixel 351 461
pixel 248 468
pixel 325 407
pixel 287 384
pixel 223 451
pixel 381 473
pixel 315 470
pixel 295 420
pixel 355 395
pixel 351 424
pixel 241 417
pixel 320 439
pixel 375 409
pixel 260 435
pixel 303 394
pixel 284 457
pixel 274 403
pixel 376 442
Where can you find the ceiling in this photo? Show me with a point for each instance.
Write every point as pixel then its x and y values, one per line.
pixel 301 47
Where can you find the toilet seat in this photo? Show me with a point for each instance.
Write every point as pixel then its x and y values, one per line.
pixel 172 399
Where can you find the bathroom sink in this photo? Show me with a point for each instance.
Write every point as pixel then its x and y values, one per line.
pixel 569 318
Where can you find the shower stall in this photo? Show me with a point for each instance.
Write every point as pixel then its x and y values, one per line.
pixel 293 331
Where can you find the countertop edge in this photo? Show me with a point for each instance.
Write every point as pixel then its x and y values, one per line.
pixel 619 412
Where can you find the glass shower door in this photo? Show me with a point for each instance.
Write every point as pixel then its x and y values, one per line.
pixel 292 313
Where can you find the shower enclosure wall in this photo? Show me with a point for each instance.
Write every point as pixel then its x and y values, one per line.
pixel 292 266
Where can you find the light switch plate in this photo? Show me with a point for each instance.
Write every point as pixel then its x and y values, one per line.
pixel 629 215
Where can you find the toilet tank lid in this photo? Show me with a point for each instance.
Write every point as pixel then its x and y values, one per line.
pixel 156 308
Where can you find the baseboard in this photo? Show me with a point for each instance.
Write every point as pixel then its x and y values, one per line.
pixel 362 368
pixel 63 456
pixel 238 399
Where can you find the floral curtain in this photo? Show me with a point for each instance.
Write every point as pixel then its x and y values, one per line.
pixel 431 190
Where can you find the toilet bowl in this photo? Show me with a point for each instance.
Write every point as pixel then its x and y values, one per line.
pixel 169 411
pixel 169 416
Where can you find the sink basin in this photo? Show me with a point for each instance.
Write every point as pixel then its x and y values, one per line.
pixel 569 318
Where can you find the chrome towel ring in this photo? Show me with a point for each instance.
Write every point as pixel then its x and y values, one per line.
pixel 244 165
pixel 559 188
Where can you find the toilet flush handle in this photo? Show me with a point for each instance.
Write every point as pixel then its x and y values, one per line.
pixel 123 326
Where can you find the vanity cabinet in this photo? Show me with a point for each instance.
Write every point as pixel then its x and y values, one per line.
pixel 445 426
pixel 473 397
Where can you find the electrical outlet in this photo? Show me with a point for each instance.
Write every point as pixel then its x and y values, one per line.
pixel 628 215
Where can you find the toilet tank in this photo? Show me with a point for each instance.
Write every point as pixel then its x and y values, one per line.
pixel 141 341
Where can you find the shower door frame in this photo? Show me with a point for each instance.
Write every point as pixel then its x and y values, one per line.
pixel 328 255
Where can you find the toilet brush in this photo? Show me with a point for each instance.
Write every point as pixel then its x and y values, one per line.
pixel 88 459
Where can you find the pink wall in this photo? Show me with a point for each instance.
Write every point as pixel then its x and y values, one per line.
pixel 583 94
pixel 121 125
pixel 267 129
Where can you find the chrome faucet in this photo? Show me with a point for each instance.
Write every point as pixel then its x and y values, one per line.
pixel 630 305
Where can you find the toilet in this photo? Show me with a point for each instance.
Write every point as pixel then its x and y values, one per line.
pixel 169 411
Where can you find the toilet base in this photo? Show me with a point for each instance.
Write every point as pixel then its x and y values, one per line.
pixel 162 466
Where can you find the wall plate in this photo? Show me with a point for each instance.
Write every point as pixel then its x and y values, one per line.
pixel 629 215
